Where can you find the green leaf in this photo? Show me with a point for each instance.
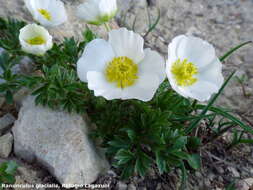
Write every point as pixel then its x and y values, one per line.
pixel 231 186
pixel 127 171
pixel 8 178
pixel 142 164
pixel 228 116
pixel 183 177
pixel 195 123
pixel 194 161
pixel 152 26
pixel 230 52
pixel 11 167
pixel 9 97
pixel 124 156
pixel 161 162
pixel 193 143
pixel 180 143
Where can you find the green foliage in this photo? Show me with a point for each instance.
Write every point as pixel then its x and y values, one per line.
pixel 58 88
pixel 138 136
pixel 9 33
pixel 7 172
pixel 10 82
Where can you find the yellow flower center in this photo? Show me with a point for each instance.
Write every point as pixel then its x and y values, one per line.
pixel 122 71
pixel 184 72
pixel 45 14
pixel 38 40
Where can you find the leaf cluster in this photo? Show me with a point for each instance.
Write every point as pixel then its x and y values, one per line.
pixel 7 172
pixel 138 136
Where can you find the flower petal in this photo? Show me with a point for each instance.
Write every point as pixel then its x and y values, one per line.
pixel 95 56
pixel 127 43
pixel 153 63
pixel 202 90
pixel 212 73
pixel 195 50
pixel 144 89
pixel 33 30
pixel 107 7
pixel 57 17
pixel 101 87
pixel 88 11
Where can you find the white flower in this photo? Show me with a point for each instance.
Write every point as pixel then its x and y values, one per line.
pixel 193 69
pixel 48 13
pixel 35 39
pixel 97 11
pixel 120 68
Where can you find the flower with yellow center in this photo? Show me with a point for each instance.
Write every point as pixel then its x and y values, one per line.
pixel 193 69
pixel 35 39
pixel 121 68
pixel 49 13
pixel 97 12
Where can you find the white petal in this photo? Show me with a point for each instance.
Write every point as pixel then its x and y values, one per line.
pixel 153 63
pixel 195 50
pixel 212 73
pixel 95 56
pixel 88 11
pixel 144 88
pixel 127 43
pixel 58 17
pixel 31 31
pixel 202 90
pixel 98 83
pixel 107 7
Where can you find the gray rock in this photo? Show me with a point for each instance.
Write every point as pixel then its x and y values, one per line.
pixel 121 186
pixel 6 142
pixel 131 187
pixel 234 171
pixel 5 122
pixel 58 141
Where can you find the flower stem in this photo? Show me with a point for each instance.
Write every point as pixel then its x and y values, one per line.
pixel 107 27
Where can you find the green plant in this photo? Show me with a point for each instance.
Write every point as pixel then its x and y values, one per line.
pixel 7 172
pixel 161 134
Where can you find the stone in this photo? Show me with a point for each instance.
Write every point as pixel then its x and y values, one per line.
pixel 131 187
pixel 6 142
pixel 121 186
pixel 242 185
pixel 6 121
pixel 249 181
pixel 59 142
pixel 234 171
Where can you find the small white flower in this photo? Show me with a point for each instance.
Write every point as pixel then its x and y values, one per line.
pixel 35 39
pixel 48 13
pixel 193 69
pixel 120 68
pixel 97 12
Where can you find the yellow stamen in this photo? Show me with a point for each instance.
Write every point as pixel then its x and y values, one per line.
pixel 184 72
pixel 45 14
pixel 122 71
pixel 38 40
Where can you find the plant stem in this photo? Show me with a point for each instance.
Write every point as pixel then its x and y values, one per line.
pixel 107 27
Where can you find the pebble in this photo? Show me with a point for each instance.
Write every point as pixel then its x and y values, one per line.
pixel 121 186
pixel 6 142
pixel 6 121
pixel 131 187
pixel 234 171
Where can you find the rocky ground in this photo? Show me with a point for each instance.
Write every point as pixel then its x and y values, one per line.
pixel 223 23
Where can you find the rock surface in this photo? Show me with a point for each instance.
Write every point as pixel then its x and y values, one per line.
pixel 5 122
pixel 6 142
pixel 59 142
